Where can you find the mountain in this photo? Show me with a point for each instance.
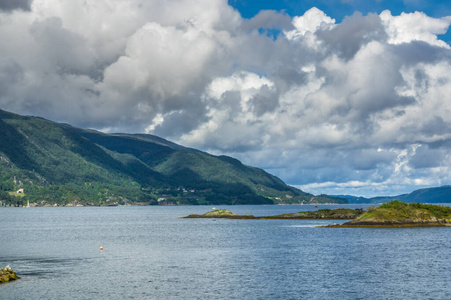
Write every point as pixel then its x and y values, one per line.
pixel 352 199
pixel 429 195
pixel 56 164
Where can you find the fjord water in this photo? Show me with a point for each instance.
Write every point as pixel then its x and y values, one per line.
pixel 149 253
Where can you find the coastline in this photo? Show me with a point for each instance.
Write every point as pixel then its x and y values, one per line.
pixel 147 204
pixel 410 225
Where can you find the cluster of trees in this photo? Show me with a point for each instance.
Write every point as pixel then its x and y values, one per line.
pixel 8 199
pixel 86 194
pixel 5 187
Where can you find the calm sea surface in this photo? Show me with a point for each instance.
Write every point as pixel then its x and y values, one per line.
pixel 149 253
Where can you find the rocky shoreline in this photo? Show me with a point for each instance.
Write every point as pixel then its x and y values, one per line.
pixel 386 225
pixel 400 214
pixel 7 274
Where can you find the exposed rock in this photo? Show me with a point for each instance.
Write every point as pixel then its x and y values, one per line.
pixel 7 274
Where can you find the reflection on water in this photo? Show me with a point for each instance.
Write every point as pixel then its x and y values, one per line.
pixel 151 254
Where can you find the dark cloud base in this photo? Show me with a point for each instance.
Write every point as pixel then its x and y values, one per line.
pixel 10 5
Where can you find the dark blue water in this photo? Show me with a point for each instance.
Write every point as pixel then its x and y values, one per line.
pixel 151 254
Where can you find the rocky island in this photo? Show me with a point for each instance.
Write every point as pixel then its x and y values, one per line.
pixel 7 274
pixel 331 214
pixel 391 214
pixel 401 214
pixel 221 214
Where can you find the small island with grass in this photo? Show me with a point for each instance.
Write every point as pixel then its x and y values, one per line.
pixel 331 214
pixel 219 214
pixel 401 214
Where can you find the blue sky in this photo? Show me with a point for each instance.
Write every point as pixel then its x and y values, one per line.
pixel 339 9
pixel 336 102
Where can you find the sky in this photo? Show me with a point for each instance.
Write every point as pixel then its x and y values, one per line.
pixel 332 96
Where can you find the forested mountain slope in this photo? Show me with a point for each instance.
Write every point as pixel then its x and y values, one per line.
pixel 59 164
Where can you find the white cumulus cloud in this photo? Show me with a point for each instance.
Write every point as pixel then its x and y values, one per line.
pixel 415 26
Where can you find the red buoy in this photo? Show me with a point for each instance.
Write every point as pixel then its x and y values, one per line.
pixel 101 248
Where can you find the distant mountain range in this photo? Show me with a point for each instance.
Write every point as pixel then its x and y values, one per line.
pixel 430 195
pixel 49 163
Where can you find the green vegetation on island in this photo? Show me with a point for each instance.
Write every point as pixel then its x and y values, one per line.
pixel 60 165
pixel 401 214
pixel 332 214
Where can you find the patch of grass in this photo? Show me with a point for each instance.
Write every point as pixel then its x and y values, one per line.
pixel 21 195
pixel 397 211
pixel 219 212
